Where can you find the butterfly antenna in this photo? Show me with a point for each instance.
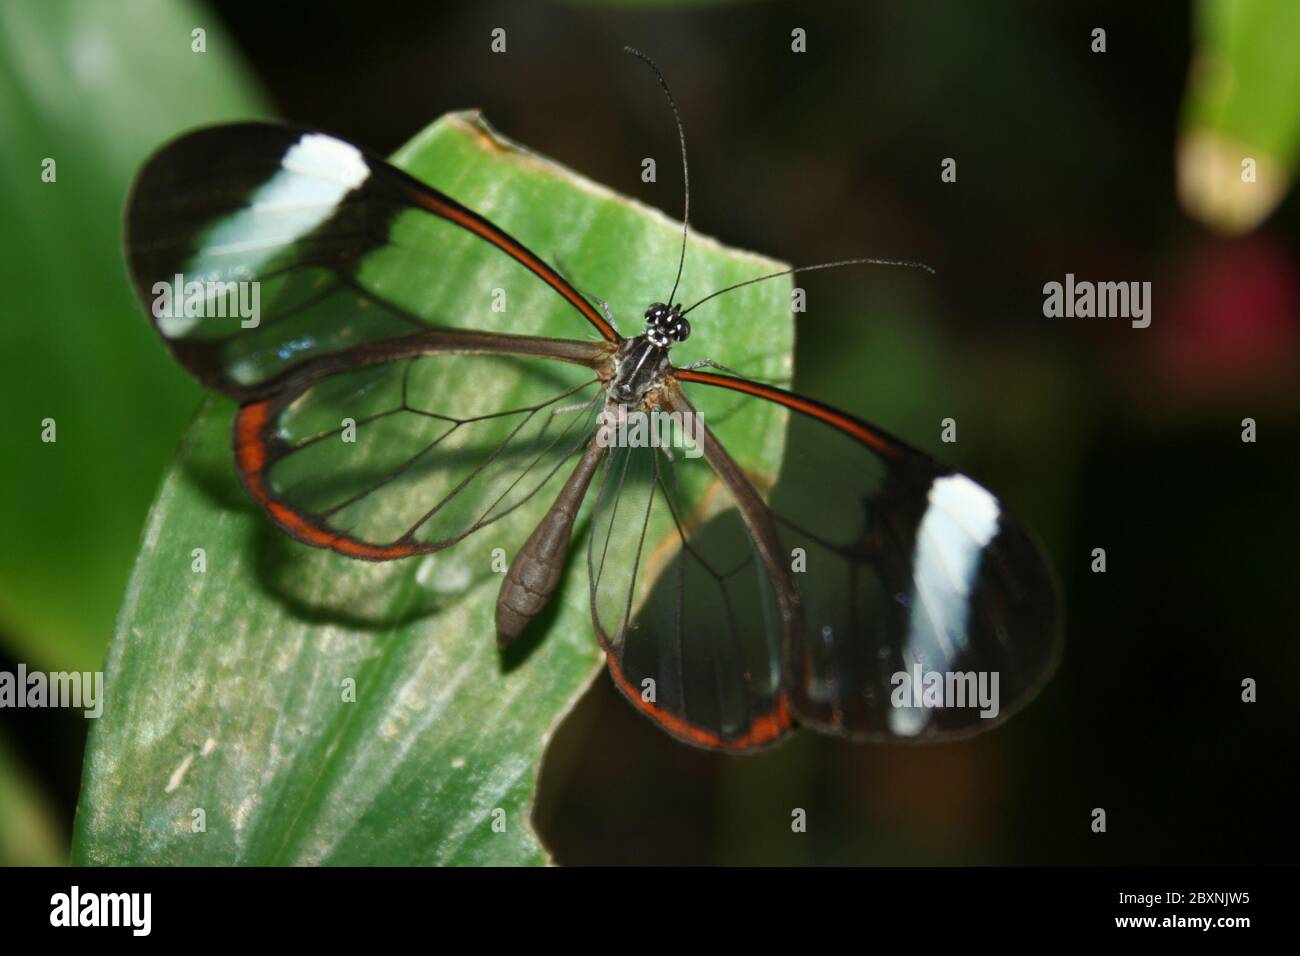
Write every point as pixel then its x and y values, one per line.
pixel 906 263
pixel 686 175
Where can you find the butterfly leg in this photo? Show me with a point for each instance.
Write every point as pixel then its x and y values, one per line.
pixel 605 310
pixel 565 409
pixel 709 363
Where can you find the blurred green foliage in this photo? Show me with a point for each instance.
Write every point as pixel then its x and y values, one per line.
pixel 94 90
pixel 1243 101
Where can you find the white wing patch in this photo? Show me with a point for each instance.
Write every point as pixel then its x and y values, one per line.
pixel 961 520
pixel 315 175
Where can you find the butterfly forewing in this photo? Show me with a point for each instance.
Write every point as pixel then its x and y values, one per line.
pixel 904 570
pixel 331 249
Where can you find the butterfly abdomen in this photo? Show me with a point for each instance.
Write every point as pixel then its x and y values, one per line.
pixel 536 570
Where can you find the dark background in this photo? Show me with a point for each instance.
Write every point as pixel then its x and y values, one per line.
pixel 1097 434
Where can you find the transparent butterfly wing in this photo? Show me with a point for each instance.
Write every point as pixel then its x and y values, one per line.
pixel 682 601
pixel 259 248
pixel 410 456
pixel 926 610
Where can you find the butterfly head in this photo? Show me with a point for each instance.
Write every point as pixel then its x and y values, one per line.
pixel 665 325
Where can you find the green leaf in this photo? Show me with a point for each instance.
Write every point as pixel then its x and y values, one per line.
pixel 224 688
pixel 1241 105
pixel 94 90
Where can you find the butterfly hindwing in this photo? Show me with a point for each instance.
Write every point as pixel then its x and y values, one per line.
pixel 691 613
pixel 412 455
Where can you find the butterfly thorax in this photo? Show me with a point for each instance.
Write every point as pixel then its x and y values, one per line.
pixel 643 359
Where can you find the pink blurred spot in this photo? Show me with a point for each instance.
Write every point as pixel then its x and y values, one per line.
pixel 1234 316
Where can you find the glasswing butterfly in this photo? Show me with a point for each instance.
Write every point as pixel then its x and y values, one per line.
pixel 729 610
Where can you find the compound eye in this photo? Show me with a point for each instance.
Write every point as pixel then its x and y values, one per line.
pixel 655 315
pixel 680 328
